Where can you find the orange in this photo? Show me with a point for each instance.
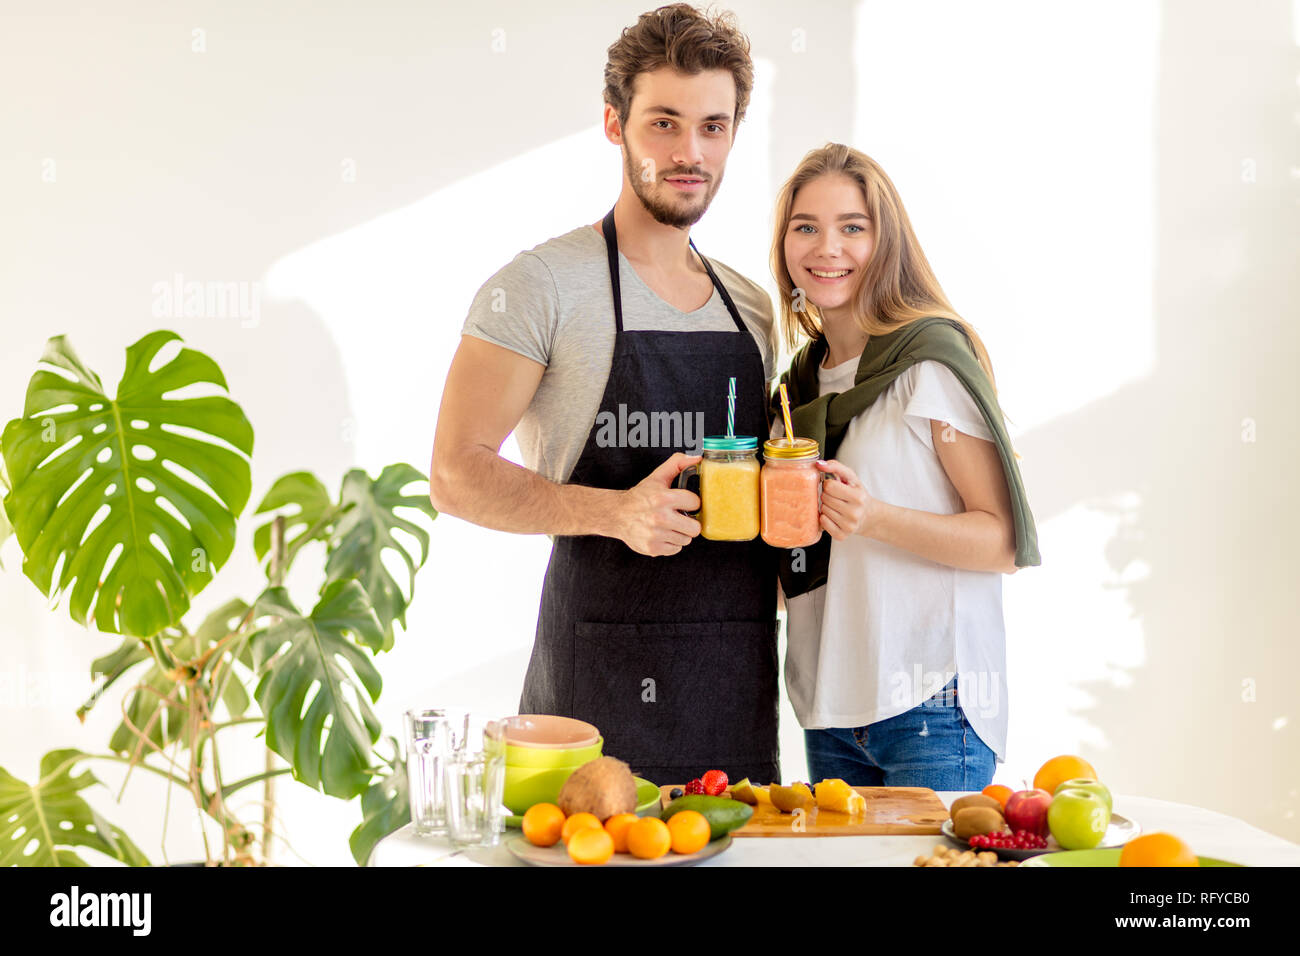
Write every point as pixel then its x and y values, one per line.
pixel 1157 849
pixel 590 845
pixel 648 838
pixel 1000 793
pixel 689 831
pixel 579 821
pixel 543 824
pixel 1060 769
pixel 616 826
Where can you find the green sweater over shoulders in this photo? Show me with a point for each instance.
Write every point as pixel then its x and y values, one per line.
pixel 827 417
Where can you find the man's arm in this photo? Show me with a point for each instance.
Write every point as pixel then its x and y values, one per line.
pixel 488 388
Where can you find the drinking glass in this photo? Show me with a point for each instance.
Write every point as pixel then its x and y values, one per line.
pixel 474 781
pixel 429 739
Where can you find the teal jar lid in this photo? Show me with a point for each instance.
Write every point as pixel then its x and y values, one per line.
pixel 735 443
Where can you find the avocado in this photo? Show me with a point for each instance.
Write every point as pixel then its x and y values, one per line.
pixel 723 815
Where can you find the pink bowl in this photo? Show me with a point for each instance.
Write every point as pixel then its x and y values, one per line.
pixel 547 732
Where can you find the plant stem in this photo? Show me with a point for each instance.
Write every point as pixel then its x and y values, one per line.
pixel 162 773
pixel 268 806
pixel 231 788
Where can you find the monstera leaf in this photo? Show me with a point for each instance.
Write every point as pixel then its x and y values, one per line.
pixel 107 491
pixel 364 531
pixel 40 824
pixel 6 529
pixel 359 529
pixel 301 490
pixel 385 807
pixel 300 655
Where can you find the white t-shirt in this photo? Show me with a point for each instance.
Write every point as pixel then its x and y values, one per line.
pixel 889 628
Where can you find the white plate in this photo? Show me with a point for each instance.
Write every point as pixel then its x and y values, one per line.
pixel 1120 831
pixel 558 855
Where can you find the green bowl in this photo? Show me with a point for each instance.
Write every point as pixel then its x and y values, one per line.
pixel 1098 858
pixel 647 801
pixel 525 786
pixel 551 758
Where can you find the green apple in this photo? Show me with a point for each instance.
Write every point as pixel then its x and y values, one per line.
pixel 1089 783
pixel 1078 819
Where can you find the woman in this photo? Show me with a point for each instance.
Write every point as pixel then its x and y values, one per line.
pixel 896 651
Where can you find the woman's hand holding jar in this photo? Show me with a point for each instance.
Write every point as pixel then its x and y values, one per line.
pixel 845 505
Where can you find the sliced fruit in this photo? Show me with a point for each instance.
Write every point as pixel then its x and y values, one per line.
pixel 835 794
pixel 723 815
pixel 791 798
pixel 763 794
pixel 744 791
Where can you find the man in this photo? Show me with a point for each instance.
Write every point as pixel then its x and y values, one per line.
pixel 608 347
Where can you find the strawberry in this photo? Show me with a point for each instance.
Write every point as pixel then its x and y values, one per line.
pixel 695 786
pixel 715 781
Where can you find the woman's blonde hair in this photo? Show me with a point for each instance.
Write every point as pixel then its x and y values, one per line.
pixel 897 286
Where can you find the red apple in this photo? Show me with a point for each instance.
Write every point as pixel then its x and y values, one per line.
pixel 1027 810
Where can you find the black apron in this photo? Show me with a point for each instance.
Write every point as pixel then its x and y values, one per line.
pixel 672 658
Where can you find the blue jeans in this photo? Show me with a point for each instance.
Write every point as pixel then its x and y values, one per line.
pixel 931 745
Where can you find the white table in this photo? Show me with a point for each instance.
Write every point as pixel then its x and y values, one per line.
pixel 1206 832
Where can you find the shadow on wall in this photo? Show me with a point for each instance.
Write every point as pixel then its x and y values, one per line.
pixel 1207 445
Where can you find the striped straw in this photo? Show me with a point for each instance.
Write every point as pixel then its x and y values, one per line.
pixel 785 413
pixel 731 408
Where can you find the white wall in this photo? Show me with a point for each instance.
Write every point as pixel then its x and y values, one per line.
pixel 1107 190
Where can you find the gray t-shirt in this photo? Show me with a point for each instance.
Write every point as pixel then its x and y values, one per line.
pixel 553 304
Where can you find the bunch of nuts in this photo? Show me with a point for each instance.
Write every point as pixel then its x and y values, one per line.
pixel 951 856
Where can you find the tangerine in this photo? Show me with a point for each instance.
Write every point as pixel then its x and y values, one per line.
pixel 1157 849
pixel 648 838
pixel 543 824
pixel 590 845
pixel 1060 769
pixel 579 821
pixel 616 826
pixel 689 831
pixel 999 793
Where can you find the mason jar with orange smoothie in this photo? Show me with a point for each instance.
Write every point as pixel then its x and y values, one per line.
pixel 729 496
pixel 790 493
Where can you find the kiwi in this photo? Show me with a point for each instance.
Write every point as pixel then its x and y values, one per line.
pixel 974 800
pixel 602 787
pixel 970 821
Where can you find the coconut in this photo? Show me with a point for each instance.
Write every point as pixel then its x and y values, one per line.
pixel 602 787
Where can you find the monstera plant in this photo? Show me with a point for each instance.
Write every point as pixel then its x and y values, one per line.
pixel 127 506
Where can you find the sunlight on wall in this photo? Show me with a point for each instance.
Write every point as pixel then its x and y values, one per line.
pixel 394 293
pixel 1025 163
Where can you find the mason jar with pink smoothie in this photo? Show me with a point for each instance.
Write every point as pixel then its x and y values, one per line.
pixel 790 515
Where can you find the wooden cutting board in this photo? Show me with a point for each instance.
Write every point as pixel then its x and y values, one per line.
pixel 908 811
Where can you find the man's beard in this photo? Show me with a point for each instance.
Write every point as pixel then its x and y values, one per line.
pixel 680 214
